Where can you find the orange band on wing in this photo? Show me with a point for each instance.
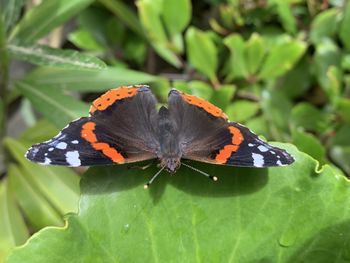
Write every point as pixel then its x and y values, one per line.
pixel 225 153
pixel 112 96
pixel 205 105
pixel 89 135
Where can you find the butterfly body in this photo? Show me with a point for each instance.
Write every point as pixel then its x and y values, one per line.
pixel 125 126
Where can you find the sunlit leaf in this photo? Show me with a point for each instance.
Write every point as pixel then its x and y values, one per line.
pixel 47 56
pixel 87 80
pixel 253 215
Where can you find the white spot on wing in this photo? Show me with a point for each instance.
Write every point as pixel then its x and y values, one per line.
pixel 258 160
pixel 262 148
pixel 46 161
pixel 272 152
pixel 51 149
pixel 279 162
pixel 72 158
pixel 75 142
pixel 61 145
pixel 251 144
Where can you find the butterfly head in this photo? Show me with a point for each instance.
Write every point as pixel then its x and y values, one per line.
pixel 170 164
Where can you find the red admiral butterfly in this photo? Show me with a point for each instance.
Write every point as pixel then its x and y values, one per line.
pixel 124 126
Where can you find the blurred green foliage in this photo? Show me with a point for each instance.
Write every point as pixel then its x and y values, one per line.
pixel 280 67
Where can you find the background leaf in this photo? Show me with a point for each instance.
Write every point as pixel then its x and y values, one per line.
pixel 10 11
pixel 44 55
pixel 202 52
pixel 251 206
pixel 13 231
pixel 87 80
pixel 55 106
pixel 43 18
pixel 281 58
pixel 345 27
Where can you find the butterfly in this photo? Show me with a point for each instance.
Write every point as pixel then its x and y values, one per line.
pixel 124 126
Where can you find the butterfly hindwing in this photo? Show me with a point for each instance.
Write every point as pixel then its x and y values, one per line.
pixel 120 129
pixel 206 135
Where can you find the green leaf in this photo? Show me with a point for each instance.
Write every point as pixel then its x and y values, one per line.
pixel 327 55
pixel 85 40
pixel 276 108
pixel 254 215
pixel 340 148
pixel 10 11
pixel 13 231
pixel 343 109
pixel 58 184
pixel 150 16
pixel 285 13
pixel 333 88
pixel 223 96
pixel 309 144
pixel 202 52
pixel 258 125
pixel 296 81
pixel 310 118
pixel 47 56
pixel 125 14
pixel 344 31
pixel 324 25
pixel 254 53
pixel 177 21
pixel 242 110
pixel 237 61
pixel 42 19
pixel 43 130
pixel 53 104
pixel 200 89
pixel 36 208
pixel 282 58
pixel 87 80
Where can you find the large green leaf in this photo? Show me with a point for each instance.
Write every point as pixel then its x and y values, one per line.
pixel 43 18
pixel 47 56
pixel 288 214
pixel 88 80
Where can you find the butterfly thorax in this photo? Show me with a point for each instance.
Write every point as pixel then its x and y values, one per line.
pixel 169 152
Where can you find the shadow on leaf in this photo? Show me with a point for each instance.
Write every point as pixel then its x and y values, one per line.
pixel 232 180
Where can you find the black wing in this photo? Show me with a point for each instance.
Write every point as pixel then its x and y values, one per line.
pixel 206 135
pixel 120 129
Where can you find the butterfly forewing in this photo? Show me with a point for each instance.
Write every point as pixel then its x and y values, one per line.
pixel 120 129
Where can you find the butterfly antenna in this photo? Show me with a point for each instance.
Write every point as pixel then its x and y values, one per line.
pixel 214 178
pixel 146 186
